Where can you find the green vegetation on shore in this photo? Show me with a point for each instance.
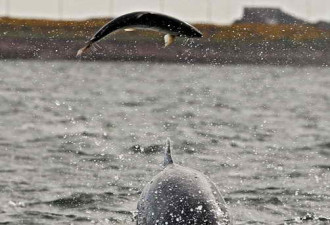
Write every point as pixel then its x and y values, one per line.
pixel 234 44
pixel 37 28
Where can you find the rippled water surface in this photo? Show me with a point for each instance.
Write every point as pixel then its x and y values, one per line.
pixel 79 140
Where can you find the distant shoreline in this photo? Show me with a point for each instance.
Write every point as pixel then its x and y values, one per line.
pixel 237 44
pixel 275 53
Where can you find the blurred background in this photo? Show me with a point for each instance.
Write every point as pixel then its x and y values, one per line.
pixel 207 11
pixel 261 31
pixel 248 105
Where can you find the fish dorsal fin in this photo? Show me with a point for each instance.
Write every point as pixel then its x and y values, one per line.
pixel 169 39
pixel 168 158
pixel 138 16
pixel 129 29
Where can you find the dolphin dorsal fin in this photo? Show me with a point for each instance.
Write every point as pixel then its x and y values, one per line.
pixel 168 158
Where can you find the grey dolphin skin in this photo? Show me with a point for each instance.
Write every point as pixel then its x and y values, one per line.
pixel 171 26
pixel 181 196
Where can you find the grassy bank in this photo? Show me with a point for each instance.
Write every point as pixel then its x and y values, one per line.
pixel 13 27
pixel 238 43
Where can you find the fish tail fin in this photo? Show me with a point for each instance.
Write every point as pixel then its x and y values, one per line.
pixel 84 49
pixel 169 39
pixel 168 158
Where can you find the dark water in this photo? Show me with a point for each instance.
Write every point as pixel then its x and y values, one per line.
pixel 68 131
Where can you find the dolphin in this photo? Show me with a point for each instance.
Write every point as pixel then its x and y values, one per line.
pixel 181 196
pixel 171 26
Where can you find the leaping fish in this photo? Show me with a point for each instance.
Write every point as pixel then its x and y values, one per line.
pixel 171 26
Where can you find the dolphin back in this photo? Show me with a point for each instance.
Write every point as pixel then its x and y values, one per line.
pixel 180 196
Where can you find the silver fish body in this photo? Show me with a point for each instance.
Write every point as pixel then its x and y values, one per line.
pixel 149 20
pixel 168 25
